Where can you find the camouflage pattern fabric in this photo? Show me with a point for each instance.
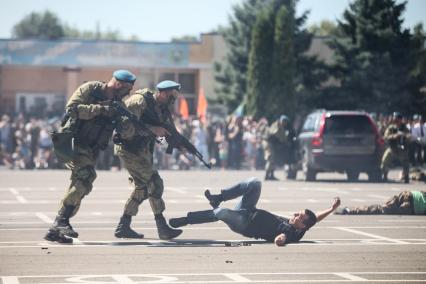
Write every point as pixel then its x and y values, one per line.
pixel 401 204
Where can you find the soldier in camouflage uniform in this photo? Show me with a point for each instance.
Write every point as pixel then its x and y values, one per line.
pixel 91 120
pixel 135 149
pixel 405 203
pixel 397 135
pixel 278 145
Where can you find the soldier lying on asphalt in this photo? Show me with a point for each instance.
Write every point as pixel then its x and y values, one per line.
pixel 247 220
pixel 405 203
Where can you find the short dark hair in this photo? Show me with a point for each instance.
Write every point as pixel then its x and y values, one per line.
pixel 311 220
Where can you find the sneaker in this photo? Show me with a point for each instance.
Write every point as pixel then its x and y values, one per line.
pixel 214 199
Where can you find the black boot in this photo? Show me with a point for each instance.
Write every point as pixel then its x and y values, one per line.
pixel 272 176
pixel 214 199
pixel 123 229
pixel 164 231
pixel 53 235
pixel 196 217
pixel 178 222
pixel 62 222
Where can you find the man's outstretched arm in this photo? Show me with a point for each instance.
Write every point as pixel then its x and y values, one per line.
pixel 322 214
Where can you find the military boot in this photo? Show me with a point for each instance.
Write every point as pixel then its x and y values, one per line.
pixel 164 231
pixel 62 222
pixel 385 176
pixel 214 199
pixel 123 229
pixel 53 235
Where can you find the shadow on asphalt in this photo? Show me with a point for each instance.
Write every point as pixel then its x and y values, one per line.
pixel 178 243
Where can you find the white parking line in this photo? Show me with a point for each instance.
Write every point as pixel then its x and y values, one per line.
pixel 237 277
pixel 17 195
pixel 10 280
pixel 240 277
pixel 44 218
pixel 370 235
pixel 350 277
pixel 180 190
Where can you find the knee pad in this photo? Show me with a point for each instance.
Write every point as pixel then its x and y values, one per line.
pixel 86 173
pixel 83 178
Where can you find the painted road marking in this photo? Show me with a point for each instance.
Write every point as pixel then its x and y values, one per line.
pixel 18 196
pixel 370 235
pixel 44 218
pixel 350 277
pixel 241 277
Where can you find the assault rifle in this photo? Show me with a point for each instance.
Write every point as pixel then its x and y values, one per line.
pixel 133 118
pixel 175 140
pixel 178 141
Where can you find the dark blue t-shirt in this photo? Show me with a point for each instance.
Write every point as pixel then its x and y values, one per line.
pixel 267 226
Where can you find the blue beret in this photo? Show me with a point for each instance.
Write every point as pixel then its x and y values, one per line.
pixel 283 117
pixel 168 85
pixel 125 76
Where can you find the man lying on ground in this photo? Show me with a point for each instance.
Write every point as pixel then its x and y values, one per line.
pixel 247 220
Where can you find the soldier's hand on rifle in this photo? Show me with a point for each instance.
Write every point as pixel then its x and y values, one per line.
pixel 108 111
pixel 159 131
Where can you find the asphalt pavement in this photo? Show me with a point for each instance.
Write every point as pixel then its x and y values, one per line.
pixel 355 249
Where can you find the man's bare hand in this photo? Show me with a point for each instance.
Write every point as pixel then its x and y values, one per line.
pixel 336 203
pixel 280 240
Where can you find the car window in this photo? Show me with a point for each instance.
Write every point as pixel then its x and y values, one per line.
pixel 309 124
pixel 348 124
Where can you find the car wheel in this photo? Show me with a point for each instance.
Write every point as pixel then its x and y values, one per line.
pixel 375 176
pixel 308 172
pixel 352 175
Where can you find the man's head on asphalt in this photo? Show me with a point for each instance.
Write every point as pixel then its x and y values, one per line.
pixel 303 220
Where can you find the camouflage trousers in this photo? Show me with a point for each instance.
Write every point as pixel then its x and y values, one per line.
pixel 83 175
pixel 144 179
pixel 390 156
pixel 401 204
pixel 269 156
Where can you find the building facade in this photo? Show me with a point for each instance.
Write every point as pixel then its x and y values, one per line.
pixel 37 76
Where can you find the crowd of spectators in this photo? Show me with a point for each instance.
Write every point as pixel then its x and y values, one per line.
pixel 231 143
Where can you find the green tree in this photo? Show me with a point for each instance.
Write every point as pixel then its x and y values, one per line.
pixel 282 98
pixel 231 75
pixel 259 67
pixel 374 59
pixel 292 72
pixel 324 28
pixel 44 25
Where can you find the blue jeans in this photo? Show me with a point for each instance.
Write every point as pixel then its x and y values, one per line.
pixel 238 218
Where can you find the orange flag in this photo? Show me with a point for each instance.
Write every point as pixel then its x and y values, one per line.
pixel 202 106
pixel 183 107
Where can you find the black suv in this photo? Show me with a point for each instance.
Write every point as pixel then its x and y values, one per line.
pixel 340 141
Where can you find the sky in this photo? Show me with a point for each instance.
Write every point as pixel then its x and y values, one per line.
pixel 161 20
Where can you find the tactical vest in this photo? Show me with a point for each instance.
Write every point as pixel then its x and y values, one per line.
pixel 96 132
pixel 149 116
pixel 394 143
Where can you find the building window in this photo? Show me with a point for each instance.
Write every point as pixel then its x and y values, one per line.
pixel 40 104
pixel 187 80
